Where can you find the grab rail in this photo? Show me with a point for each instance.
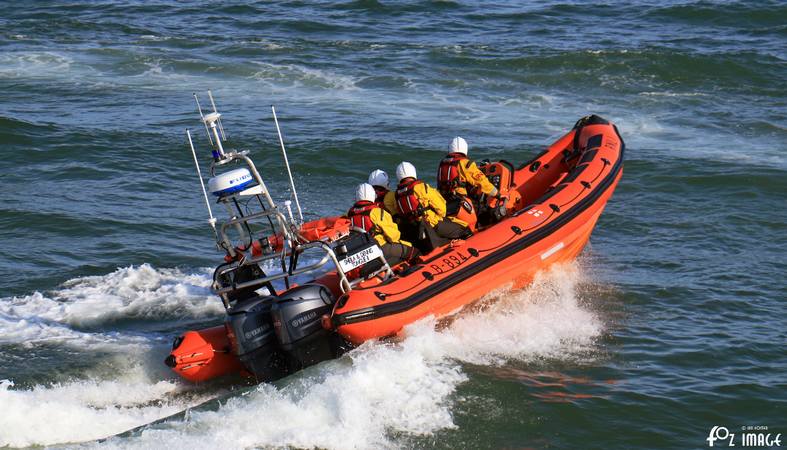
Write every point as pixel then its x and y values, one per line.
pixel 330 255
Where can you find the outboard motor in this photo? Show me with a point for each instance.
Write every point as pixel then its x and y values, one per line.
pixel 297 319
pixel 253 338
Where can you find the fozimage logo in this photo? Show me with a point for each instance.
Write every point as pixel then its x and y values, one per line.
pixel 750 436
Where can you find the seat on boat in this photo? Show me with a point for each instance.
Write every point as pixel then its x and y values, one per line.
pixel 501 175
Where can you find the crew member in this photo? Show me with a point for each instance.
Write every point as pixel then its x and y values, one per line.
pixel 385 197
pixel 422 210
pixel 462 183
pixel 367 216
pixel 459 175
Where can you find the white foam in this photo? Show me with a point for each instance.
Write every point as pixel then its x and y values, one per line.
pixel 85 410
pixel 128 386
pixel 336 406
pixel 264 43
pixel 610 52
pixel 32 331
pixel 672 94
pixel 34 64
pixel 129 293
pixel 301 76
pixel 153 38
pixel 363 400
pixel 649 132
pixel 382 389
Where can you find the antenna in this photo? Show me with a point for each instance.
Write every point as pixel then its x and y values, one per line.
pixel 216 111
pixel 289 210
pixel 213 128
pixel 202 116
pixel 287 163
pixel 212 220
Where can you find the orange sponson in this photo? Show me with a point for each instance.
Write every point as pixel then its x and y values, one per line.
pixel 565 190
pixel 202 355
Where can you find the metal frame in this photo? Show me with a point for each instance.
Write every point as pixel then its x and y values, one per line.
pixel 292 238
pixel 284 227
pixel 330 255
pixel 287 228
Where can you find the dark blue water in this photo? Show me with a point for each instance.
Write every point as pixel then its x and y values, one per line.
pixel 671 322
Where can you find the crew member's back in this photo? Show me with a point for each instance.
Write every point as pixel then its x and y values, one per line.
pixel 422 211
pixel 367 216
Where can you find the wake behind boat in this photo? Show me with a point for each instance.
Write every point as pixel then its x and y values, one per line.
pixel 274 326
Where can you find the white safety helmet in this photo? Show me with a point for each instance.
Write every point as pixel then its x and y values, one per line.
pixel 365 192
pixel 458 145
pixel 378 178
pixel 405 170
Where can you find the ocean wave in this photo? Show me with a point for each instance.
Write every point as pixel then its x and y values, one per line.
pixel 734 14
pixel 267 44
pixel 298 75
pixel 14 130
pixel 154 38
pixel 34 64
pixel 128 385
pixel 383 390
pixel 672 94
pixel 86 409
pixel 131 293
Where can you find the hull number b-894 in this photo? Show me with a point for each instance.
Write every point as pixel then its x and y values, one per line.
pixel 448 263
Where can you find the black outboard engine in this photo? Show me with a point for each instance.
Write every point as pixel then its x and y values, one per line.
pixel 253 338
pixel 297 319
pixel 276 336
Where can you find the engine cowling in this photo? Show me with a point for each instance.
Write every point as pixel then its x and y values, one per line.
pixel 253 339
pixel 297 321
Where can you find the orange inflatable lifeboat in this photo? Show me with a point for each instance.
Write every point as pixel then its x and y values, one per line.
pixel 547 213
pixel 565 190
